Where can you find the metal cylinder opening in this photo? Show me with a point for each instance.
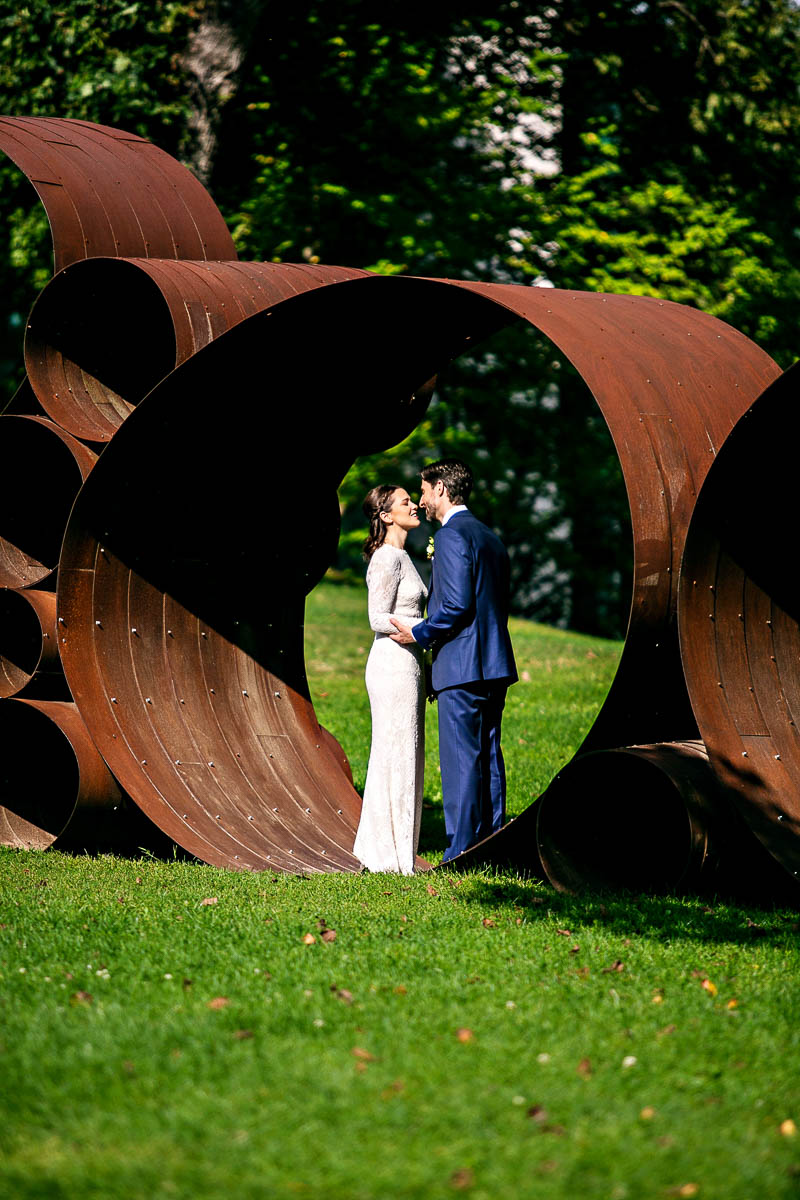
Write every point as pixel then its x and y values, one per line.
pixel 49 768
pixel 99 337
pixel 28 644
pixel 43 468
pixel 627 818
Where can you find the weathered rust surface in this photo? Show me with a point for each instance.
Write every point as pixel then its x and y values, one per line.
pixel 648 818
pixel 87 333
pixel 740 615
pixel 49 769
pixel 42 471
pixel 29 645
pixel 108 192
pixel 212 513
pixel 649 366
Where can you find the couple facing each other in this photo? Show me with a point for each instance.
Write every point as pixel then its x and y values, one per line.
pixel 473 665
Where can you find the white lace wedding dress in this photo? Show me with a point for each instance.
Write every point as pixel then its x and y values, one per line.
pixel 389 828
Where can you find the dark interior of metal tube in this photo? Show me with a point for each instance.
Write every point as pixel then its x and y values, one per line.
pixel 27 643
pixel 90 361
pixel 614 820
pixel 39 774
pixel 39 480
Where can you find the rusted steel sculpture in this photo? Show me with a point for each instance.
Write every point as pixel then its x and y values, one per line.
pixel 188 553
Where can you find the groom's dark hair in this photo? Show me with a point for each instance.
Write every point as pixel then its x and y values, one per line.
pixel 455 475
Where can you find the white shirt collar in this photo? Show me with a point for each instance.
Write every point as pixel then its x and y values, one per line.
pixel 451 512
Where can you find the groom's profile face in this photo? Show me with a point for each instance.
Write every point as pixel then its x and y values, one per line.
pixel 429 499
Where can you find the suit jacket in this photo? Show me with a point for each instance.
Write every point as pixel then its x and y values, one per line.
pixel 467 623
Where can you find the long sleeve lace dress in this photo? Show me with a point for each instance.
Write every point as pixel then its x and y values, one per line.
pixel 389 828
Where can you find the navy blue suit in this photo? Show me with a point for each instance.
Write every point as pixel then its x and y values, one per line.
pixel 473 664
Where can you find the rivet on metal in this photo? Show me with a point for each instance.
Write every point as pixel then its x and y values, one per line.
pixel 147 700
pixel 744 754
pixel 113 699
pixel 244 691
pixel 778 757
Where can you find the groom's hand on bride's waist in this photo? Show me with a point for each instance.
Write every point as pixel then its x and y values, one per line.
pixel 404 635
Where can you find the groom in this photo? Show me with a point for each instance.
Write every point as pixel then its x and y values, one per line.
pixel 473 663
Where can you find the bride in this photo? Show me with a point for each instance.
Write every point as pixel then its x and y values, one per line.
pixel 389 828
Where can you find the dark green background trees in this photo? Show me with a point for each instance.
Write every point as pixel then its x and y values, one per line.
pixel 635 147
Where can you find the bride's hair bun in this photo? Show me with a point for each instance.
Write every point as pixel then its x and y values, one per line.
pixel 378 501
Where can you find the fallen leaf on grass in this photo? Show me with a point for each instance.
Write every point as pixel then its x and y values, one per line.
pixel 585 1068
pixel 363 1055
pixel 394 1089
pixel 209 900
pixel 684 1189
pixel 217 1003
pixel 431 890
pixel 242 1035
pixel 647 1113
pixel 464 1035
pixel 617 965
pixel 564 932
pixel 488 923
pixel 583 972
pixel 709 987
pixel 329 935
pixel 574 949
pixel 187 983
pixel 81 998
pixel 342 994
pixel 461 1179
pixel 788 1128
pixel 658 996
pixel 538 1113
pixel 309 939
pixel 400 990
pixel 128 1067
pixel 667 1029
pixel 732 1003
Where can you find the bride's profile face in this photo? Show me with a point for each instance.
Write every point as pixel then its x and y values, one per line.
pixel 403 511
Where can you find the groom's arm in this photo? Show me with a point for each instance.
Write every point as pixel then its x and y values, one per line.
pixel 454 594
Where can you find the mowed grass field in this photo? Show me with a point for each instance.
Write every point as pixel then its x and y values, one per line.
pixel 172 1030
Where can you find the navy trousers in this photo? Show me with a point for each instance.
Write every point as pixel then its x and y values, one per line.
pixel 473 772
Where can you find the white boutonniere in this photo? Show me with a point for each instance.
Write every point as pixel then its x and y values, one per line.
pixel 429 550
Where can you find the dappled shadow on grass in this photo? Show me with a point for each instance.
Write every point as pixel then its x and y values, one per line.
pixel 667 918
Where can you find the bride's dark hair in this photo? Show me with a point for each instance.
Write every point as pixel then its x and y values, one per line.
pixel 378 501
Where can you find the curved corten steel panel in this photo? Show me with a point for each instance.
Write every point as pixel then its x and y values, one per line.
pixel 105 331
pixel 190 673
pixel 29 658
pixel 108 192
pixel 652 818
pixel 49 769
pixel 739 615
pixel 43 468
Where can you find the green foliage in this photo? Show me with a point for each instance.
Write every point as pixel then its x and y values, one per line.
pixel 632 147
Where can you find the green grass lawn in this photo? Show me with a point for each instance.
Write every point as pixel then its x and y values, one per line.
pixel 171 1030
